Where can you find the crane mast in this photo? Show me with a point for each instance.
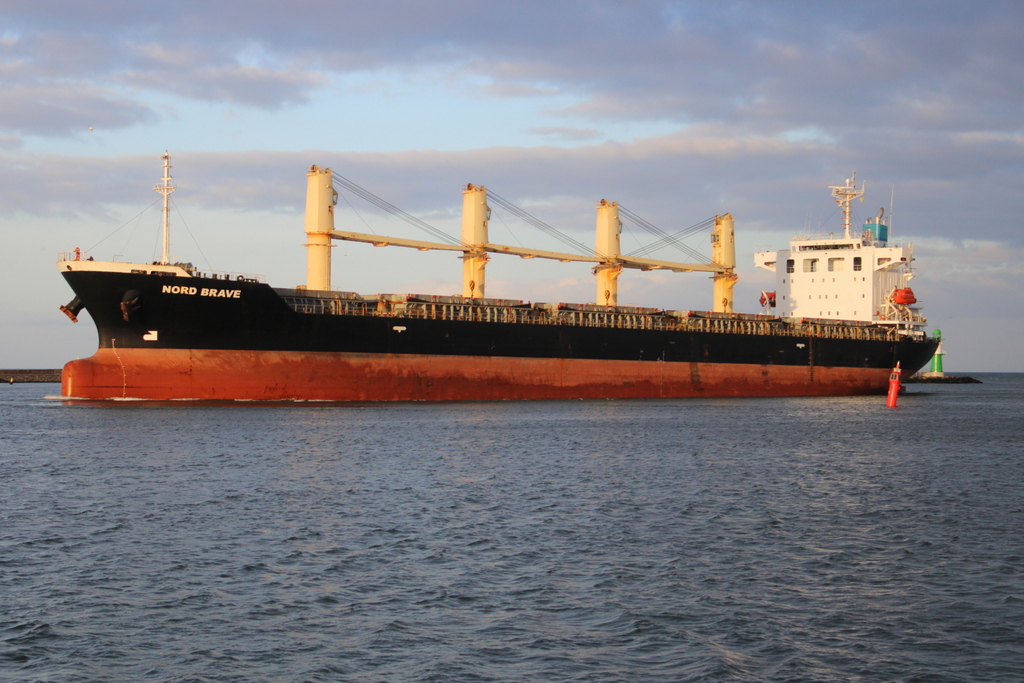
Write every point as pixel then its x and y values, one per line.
pixel 475 245
pixel 165 188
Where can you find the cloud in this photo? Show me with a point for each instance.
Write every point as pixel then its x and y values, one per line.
pixel 990 265
pixel 766 68
pixel 518 90
pixel 44 55
pixel 565 133
pixel 771 102
pixel 770 184
pixel 62 109
pixel 235 84
pixel 606 47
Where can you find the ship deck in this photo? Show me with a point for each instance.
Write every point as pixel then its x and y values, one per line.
pixel 456 308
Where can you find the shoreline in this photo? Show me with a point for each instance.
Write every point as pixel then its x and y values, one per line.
pixel 24 376
pixel 948 379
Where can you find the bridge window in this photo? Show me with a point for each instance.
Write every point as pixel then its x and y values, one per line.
pixel 836 264
pixel 810 265
pixel 789 265
pixel 856 263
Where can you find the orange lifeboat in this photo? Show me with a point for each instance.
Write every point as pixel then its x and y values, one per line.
pixel 768 299
pixel 904 297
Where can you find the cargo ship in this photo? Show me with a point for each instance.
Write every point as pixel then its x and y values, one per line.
pixel 840 318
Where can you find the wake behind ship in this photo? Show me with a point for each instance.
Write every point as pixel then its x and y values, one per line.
pixel 169 331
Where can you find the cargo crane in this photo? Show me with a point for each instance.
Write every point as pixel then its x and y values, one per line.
pixel 608 260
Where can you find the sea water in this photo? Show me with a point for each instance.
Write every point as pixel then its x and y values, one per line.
pixel 818 539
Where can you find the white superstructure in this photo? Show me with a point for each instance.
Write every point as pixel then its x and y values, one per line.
pixel 861 276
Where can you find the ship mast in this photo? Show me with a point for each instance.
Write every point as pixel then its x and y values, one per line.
pixel 844 194
pixel 166 189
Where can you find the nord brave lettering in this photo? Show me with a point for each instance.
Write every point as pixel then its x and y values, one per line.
pixel 179 289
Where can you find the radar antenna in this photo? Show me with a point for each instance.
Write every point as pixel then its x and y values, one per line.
pixel 844 194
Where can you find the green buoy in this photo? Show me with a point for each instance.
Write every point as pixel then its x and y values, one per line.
pixel 936 370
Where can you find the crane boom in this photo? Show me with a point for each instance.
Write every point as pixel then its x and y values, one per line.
pixel 624 261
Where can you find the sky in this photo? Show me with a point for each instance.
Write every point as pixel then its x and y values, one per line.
pixel 677 110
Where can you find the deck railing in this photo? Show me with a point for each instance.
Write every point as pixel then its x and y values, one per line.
pixel 501 312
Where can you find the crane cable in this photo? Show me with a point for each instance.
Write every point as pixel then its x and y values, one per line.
pixel 541 225
pixel 666 238
pixel 393 210
pixel 341 182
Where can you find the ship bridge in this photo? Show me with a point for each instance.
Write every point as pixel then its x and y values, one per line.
pixel 859 276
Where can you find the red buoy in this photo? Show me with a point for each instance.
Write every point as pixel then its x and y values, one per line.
pixel 894 386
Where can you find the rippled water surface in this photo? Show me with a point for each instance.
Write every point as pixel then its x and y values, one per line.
pixel 670 540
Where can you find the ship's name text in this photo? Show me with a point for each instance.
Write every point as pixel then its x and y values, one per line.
pixel 202 291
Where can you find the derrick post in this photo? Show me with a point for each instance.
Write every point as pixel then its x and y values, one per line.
pixel 320 200
pixel 475 214
pixel 606 247
pixel 723 253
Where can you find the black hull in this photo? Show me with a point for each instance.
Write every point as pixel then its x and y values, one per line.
pixel 151 314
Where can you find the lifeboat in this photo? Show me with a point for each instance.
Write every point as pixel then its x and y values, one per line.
pixel 768 298
pixel 904 297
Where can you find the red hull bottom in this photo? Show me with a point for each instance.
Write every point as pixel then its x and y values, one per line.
pixel 162 374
